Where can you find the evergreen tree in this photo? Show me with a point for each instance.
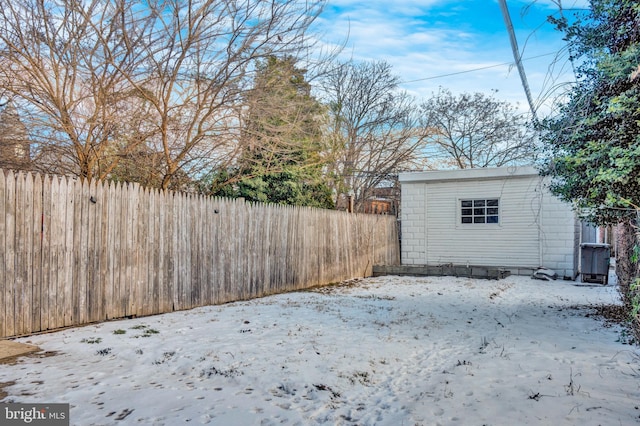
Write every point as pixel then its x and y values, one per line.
pixel 281 159
pixel 593 146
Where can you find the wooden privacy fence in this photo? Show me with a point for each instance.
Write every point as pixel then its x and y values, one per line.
pixel 73 252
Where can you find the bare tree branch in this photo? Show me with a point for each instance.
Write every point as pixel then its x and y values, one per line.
pixel 374 128
pixel 475 130
pixel 104 83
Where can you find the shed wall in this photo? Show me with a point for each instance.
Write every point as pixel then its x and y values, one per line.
pixel 560 236
pixel 413 225
pixel 535 228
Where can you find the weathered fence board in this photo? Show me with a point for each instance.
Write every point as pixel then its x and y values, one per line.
pixel 36 268
pixel 74 252
pixel 3 257
pixel 10 251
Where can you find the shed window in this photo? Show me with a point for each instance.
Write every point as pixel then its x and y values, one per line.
pixel 479 211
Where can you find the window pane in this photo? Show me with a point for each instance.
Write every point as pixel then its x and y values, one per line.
pixel 480 211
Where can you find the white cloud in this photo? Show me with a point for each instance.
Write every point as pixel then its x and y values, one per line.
pixel 423 40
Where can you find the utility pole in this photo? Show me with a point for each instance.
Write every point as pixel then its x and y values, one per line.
pixel 517 57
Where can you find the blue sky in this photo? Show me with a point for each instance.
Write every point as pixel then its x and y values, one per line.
pixel 433 43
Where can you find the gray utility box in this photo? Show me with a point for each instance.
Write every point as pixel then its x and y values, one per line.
pixel 594 260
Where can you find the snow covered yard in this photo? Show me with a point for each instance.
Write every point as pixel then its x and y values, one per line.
pixel 378 351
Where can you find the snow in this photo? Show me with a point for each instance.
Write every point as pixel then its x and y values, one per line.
pixel 378 351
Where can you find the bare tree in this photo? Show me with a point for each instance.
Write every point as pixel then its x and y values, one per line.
pixel 200 56
pixel 107 81
pixel 373 128
pixel 62 65
pixel 475 130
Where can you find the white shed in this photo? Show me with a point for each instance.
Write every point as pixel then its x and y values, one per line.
pixel 500 217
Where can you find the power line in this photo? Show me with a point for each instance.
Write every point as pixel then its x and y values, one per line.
pixel 475 69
